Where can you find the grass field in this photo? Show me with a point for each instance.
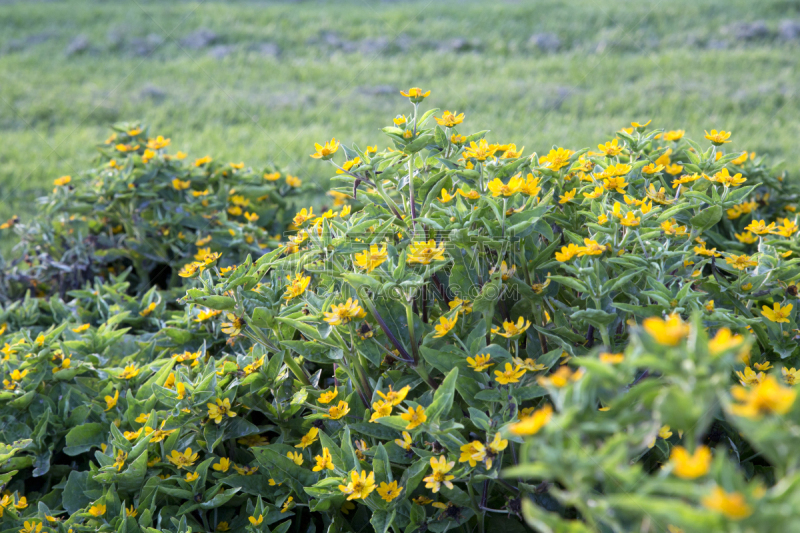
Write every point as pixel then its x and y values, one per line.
pixel 262 81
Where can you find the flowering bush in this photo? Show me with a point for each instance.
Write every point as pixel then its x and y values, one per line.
pixel 572 341
pixel 149 210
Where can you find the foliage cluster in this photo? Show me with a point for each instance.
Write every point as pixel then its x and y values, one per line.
pixel 591 340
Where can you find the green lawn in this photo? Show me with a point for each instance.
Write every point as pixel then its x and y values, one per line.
pixel 276 77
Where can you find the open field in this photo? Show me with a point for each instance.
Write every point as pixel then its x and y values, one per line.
pixel 262 81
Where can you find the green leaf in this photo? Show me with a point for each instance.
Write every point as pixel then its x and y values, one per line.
pixel 595 317
pixel 81 438
pixel 443 397
pixel 707 218
pixel 382 520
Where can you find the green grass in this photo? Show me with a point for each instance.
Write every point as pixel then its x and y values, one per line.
pixel 619 61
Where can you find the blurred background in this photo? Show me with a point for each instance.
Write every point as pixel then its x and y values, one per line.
pixel 260 81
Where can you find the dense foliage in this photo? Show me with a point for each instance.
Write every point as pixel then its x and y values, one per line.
pixel 145 208
pixel 592 340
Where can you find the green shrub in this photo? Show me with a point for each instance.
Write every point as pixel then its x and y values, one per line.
pixel 149 210
pixel 492 340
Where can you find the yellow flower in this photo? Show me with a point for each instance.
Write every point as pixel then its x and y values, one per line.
pixel 287 505
pixel 760 227
pixel 731 504
pixel 664 433
pixel 335 412
pixel 511 329
pixel 449 119
pixel 256 521
pixel 723 177
pixel 406 442
pixel 297 286
pixel 498 188
pixel 480 151
pixel 740 262
pixel 480 362
pixel 787 229
pixel 591 248
pixel 530 425
pixel 670 227
pixel 360 486
pixel 325 152
pixel 674 135
pixel 414 418
pixel 473 453
pixel 293 181
pixel 129 372
pixel 31 527
pixel 218 412
pixel 328 396
pixel 149 309
pixel 63 180
pixel 182 460
pixel 509 375
pixel 424 253
pixel 611 358
pixel 567 196
pixel 344 313
pixel 304 216
pixel 560 378
pixel 371 259
pixel 389 491
pixel 777 313
pixel 446 196
pixel 610 149
pixel 308 439
pixel 791 376
pixel 674 169
pixel 615 184
pixel 652 168
pixel 415 94
pixel 497 445
pixel 765 397
pixel 380 410
pixel 81 328
pixel 723 341
pixel 718 137
pixel 133 435
pixel 472 195
pixel 440 475
pixel 686 178
pixel 596 193
pixel 111 401
pixel 512 152
pixel 669 332
pixel 119 461
pixel 557 159
pixel 702 250
pixel 746 237
pixel 248 471
pixel 296 457
pixel 97 510
pixel 223 465
pixel 180 185
pixel 658 196
pixel 445 325
pixel 465 305
pixel 160 434
pixel 630 219
pixel 324 461
pixel 687 466
pixel 567 252
pixel 191 476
